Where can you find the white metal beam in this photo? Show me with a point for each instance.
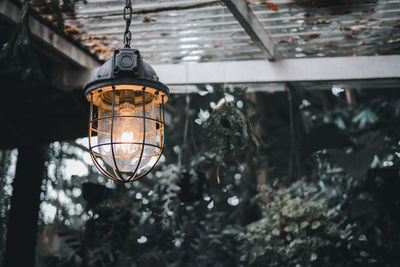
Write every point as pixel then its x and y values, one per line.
pixel 245 16
pixel 268 75
pixel 51 40
pixel 288 70
pixel 264 87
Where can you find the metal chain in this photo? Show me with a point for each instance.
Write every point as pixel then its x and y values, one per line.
pixel 128 19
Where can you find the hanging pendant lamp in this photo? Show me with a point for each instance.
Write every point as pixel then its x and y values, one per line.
pixel 126 113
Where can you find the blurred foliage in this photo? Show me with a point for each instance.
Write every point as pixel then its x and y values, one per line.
pixel 54 11
pixel 340 206
pixel 304 225
pixel 5 169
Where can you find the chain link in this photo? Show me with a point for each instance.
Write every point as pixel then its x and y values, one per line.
pixel 128 19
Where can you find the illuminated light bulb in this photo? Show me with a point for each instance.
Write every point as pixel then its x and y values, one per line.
pixel 127 136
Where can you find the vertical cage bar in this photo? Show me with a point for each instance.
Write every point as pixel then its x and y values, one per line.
pixel 92 155
pixel 115 169
pixel 144 135
pixel 162 144
pixel 163 124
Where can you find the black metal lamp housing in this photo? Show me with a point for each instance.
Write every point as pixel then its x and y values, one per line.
pixel 127 116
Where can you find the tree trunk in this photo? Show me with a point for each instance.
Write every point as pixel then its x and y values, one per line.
pixel 25 201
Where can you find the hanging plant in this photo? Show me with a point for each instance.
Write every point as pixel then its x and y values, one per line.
pixel 230 132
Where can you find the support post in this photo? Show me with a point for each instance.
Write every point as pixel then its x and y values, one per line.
pixel 25 201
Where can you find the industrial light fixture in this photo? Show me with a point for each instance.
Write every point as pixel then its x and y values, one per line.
pixel 126 113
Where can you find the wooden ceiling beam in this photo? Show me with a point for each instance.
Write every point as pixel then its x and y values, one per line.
pixel 250 23
pixel 51 41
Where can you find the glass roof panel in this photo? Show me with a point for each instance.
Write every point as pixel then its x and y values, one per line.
pixel 176 31
pixel 166 31
pixel 303 28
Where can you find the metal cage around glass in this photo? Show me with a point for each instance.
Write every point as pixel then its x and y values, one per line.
pixel 126 130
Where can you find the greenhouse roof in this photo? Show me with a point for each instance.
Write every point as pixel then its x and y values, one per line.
pixel 232 41
pixel 177 31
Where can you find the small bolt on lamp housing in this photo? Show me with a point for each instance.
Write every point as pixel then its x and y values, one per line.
pixel 127 116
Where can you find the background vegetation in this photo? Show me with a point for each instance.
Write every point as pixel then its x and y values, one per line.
pixel 305 179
